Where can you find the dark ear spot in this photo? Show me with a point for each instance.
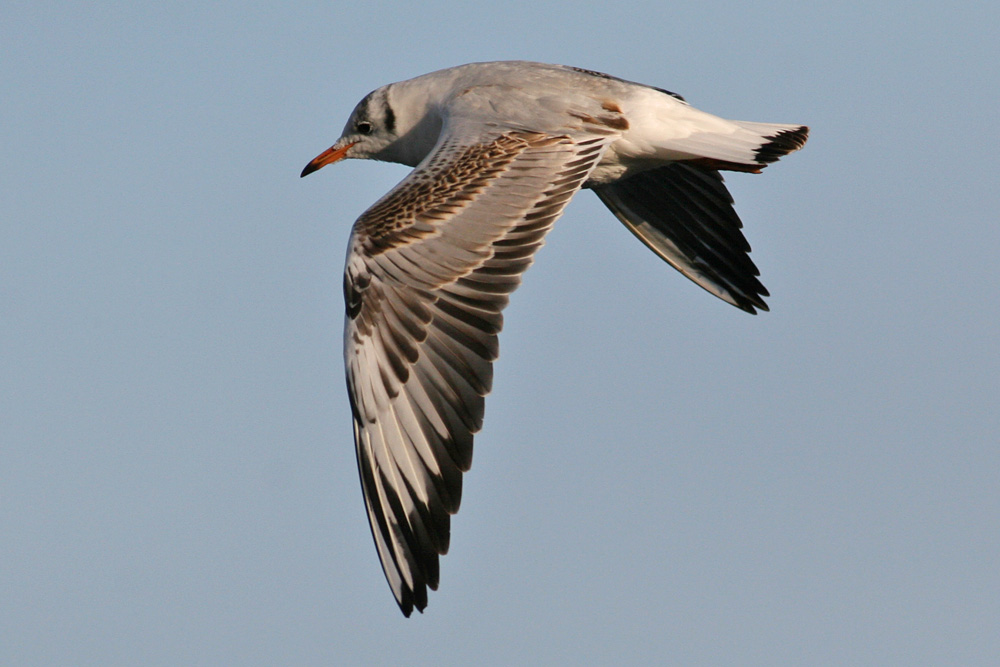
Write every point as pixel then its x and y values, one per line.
pixel 390 116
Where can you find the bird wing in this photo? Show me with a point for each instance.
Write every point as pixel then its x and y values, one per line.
pixel 684 214
pixel 430 267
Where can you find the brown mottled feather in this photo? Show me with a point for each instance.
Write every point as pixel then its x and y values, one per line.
pixel 431 267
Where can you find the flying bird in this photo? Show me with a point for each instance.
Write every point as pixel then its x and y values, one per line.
pixel 498 150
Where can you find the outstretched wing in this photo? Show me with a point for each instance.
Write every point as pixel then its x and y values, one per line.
pixel 429 269
pixel 685 214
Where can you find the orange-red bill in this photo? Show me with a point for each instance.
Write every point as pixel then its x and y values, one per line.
pixel 329 156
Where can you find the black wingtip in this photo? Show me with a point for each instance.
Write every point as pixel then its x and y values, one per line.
pixel 407 606
pixel 750 303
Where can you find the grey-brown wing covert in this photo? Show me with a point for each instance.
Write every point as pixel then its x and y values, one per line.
pixel 430 268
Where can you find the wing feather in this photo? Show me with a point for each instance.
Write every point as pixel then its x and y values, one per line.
pixel 685 215
pixel 430 268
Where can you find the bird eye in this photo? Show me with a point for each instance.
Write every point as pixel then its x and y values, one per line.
pixel 364 127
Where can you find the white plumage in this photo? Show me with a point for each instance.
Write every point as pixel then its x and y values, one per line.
pixel 499 149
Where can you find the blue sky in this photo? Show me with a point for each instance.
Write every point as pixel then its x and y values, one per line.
pixel 660 476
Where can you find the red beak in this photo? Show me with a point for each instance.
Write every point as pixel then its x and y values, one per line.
pixel 329 156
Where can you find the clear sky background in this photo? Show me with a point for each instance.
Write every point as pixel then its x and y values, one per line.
pixel 660 477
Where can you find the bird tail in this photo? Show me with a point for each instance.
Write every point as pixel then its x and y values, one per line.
pixel 747 147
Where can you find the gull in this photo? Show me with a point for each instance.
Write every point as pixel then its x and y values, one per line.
pixel 498 150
